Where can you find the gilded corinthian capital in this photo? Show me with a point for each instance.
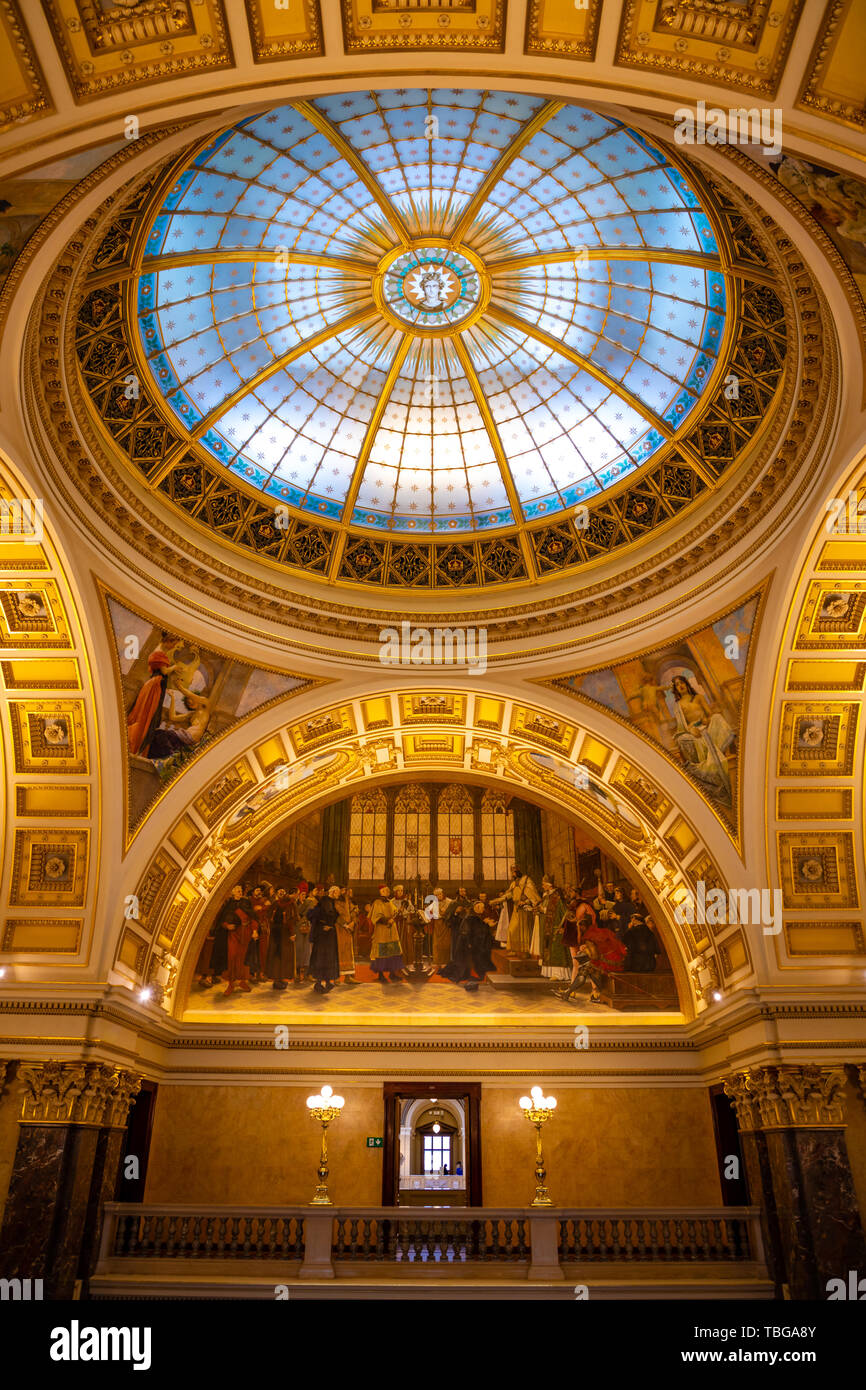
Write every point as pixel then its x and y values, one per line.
pixel 788 1096
pixel 80 1093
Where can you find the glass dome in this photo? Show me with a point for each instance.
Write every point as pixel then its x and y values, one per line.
pixel 431 311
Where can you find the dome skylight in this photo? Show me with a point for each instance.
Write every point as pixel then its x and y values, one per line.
pixel 431 311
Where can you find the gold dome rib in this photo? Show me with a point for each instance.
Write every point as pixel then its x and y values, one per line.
pixel 476 202
pixel 600 375
pixel 353 159
pixel 490 425
pixel 375 421
pixel 160 263
pixel 602 253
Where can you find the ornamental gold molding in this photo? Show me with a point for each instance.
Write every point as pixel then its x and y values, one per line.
pixel 76 1093
pixel 788 1097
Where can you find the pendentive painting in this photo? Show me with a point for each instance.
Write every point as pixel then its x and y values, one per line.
pixel 687 698
pixel 178 697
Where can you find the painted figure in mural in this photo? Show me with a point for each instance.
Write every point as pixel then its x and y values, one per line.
pixel 346 914
pixel 181 730
pixel 324 951
pixel 520 897
pixel 548 933
pixel 386 957
pixel 441 934
pixel 836 198
pixel 472 940
pixel 456 912
pixel 145 715
pixel 238 923
pixel 642 947
pixel 306 902
pixel 649 698
pixel 260 907
pixel 280 964
pixel 702 736
pixel 403 922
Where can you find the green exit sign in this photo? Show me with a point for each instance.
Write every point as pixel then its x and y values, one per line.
pixel 374 1141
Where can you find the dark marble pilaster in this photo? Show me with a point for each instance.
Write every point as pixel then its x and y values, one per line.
pixel 62 1170
pixel 108 1158
pixel 756 1162
pixel 803 1180
pixel 817 1208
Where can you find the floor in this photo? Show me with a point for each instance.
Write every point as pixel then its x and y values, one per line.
pixel 406 1001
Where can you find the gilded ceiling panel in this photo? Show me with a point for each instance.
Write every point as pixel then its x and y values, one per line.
pixel 562 28
pixel 742 44
pixel 834 84
pixel 419 24
pixel 24 94
pixel 130 45
pixel 290 30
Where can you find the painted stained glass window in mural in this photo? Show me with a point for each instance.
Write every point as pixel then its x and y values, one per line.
pixel 432 310
pixel 368 830
pixel 411 834
pixel 497 837
pixel 456 836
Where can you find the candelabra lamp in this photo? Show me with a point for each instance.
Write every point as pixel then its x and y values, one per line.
pixel 325 1107
pixel 538 1108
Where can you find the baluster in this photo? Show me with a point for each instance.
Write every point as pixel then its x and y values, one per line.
pixel 614 1237
pixel 703 1242
pixel 628 1233
pixel 654 1239
pixel 353 1236
pixel 678 1237
pixel 146 1241
pixel 380 1239
pixel 740 1241
pixel 716 1239
pixel 667 1223
pixel 158 1228
pixel 522 1247
pixel 691 1240
pixel 395 1234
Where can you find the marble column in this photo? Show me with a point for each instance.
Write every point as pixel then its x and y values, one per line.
pixel 793 1125
pixel 62 1170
